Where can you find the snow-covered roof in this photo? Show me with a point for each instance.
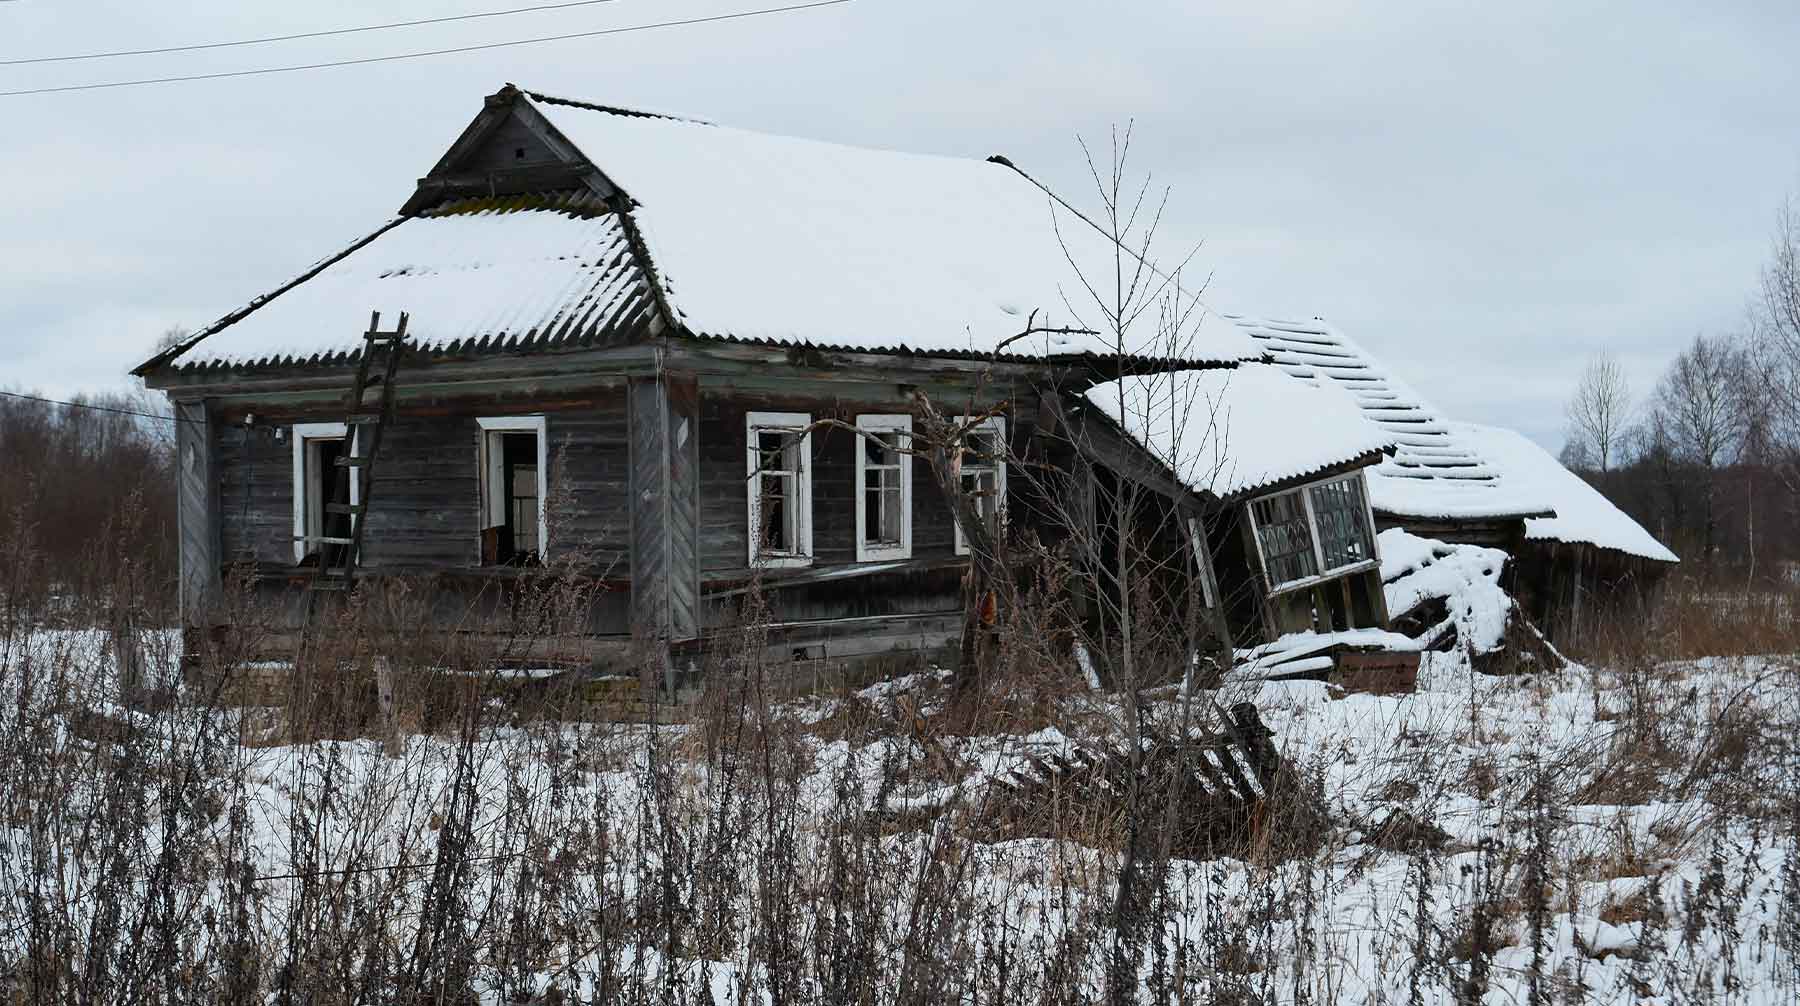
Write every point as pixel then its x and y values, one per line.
pixel 746 236
pixel 1435 473
pixel 1583 514
pixel 483 274
pixel 1231 432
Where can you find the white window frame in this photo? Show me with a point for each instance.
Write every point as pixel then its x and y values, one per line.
pixel 304 435
pixel 867 551
pixel 486 463
pixel 791 422
pixel 996 426
pixel 1312 528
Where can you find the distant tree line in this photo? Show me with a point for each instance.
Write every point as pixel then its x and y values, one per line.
pixel 85 488
pixel 1709 460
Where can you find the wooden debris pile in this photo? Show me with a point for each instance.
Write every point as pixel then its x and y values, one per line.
pixel 1216 793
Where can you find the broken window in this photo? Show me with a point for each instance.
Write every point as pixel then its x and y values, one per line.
pixel 513 487
pixel 982 469
pixel 884 487
pixel 1284 535
pixel 319 532
pixel 779 455
pixel 1313 530
pixel 1345 537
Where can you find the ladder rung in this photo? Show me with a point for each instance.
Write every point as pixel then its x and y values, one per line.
pixel 389 338
pixel 323 539
pixel 328 584
pixel 344 508
pixel 344 461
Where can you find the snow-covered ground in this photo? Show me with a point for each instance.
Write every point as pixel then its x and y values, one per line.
pixel 836 840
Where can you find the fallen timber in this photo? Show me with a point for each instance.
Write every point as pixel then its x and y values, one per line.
pixel 1217 793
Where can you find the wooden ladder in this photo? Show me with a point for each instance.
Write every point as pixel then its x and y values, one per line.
pixel 363 427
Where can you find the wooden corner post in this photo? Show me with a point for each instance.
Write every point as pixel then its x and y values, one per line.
pixel 665 527
pixel 197 514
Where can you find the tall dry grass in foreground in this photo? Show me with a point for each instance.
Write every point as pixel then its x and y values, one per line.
pixel 475 835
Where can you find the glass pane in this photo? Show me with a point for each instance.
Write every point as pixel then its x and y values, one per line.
pixel 980 450
pixel 1286 540
pixel 1343 523
pixel 881 515
pixel 890 514
pixel 525 523
pixel 881 449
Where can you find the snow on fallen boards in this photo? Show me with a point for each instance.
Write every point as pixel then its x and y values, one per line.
pixel 1227 783
pixel 1441 594
pixel 1446 596
pixel 1353 660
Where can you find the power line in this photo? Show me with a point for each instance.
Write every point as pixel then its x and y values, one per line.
pixel 299 35
pixel 93 408
pixel 432 52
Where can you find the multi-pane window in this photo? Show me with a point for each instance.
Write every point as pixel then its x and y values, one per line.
pixel 1343 522
pixel 1285 536
pixel 1315 529
pixel 779 456
pixel 884 487
pixel 982 467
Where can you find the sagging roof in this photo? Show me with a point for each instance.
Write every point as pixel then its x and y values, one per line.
pixel 1583 514
pixel 1229 433
pixel 1435 473
pixel 734 234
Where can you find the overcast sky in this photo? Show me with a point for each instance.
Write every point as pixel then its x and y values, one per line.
pixel 1483 194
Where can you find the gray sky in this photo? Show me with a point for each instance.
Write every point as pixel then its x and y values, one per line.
pixel 1483 194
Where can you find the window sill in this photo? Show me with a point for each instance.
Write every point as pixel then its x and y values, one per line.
pixel 1329 575
pixel 882 554
pixel 782 562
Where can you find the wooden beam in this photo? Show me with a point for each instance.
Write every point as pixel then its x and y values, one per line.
pixel 197 512
pixel 664 500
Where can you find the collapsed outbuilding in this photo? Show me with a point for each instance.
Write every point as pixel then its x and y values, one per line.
pixel 1573 552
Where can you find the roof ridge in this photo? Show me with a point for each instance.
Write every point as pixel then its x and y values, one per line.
pixel 594 106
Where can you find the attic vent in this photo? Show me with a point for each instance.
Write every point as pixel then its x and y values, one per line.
pixel 518 153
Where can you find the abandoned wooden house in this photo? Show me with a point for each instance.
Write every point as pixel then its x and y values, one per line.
pixel 1573 552
pixel 680 358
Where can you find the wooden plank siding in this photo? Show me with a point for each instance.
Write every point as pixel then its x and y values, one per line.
pixel 725 491
pixel 665 532
pixel 427 513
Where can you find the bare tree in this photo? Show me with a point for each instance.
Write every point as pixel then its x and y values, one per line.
pixel 1700 409
pixel 1777 344
pixel 1600 410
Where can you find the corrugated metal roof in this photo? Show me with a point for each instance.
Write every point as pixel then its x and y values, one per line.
pixel 793 241
pixel 739 236
pixel 1583 514
pixel 474 275
pixel 1435 472
pixel 1233 432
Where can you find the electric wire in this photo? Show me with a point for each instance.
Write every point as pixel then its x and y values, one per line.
pixel 325 33
pixel 93 408
pixel 682 22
